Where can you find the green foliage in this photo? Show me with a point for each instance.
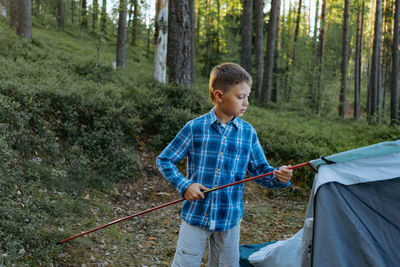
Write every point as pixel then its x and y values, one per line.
pixel 165 110
pixel 293 138
pixel 71 126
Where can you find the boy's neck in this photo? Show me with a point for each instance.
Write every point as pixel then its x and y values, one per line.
pixel 223 117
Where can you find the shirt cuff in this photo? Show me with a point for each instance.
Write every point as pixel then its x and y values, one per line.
pixel 183 185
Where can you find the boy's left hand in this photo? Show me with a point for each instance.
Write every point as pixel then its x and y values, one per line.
pixel 284 174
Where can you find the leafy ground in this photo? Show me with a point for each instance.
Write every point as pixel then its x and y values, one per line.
pixel 150 240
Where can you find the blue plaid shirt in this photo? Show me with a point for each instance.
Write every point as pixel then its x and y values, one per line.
pixel 217 155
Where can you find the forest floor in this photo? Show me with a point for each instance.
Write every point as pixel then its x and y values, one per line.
pixel 150 239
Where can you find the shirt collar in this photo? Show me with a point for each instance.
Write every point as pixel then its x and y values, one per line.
pixel 213 118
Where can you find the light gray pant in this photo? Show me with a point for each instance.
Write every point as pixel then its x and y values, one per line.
pixel 224 247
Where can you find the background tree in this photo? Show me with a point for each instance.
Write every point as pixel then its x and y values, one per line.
pixel 60 14
pixel 275 96
pixel 160 53
pixel 121 37
pixel 320 58
pixel 269 56
pixel 14 13
pixel 358 61
pixel 292 53
pixel 394 98
pixel 24 27
pixel 3 9
pixel 103 18
pixel 245 58
pixel 374 81
pixel 135 21
pixel 95 15
pixel 180 56
pixel 84 21
pixel 345 58
pixel 259 46
pixel 73 11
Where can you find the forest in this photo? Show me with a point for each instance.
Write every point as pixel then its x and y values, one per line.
pixel 92 91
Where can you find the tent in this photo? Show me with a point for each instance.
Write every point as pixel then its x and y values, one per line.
pixel 353 215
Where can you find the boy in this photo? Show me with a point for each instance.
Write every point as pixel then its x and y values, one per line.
pixel 220 148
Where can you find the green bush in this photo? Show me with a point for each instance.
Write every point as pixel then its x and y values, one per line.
pixel 165 110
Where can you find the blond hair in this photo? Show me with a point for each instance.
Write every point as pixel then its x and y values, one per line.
pixel 226 75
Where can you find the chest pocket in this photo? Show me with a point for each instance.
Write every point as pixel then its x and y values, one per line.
pixel 237 162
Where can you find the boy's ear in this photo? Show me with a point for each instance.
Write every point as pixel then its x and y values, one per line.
pixel 218 95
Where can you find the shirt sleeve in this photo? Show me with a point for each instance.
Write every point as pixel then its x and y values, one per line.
pixel 258 165
pixel 171 155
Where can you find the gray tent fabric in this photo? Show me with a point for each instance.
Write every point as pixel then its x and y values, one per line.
pixel 384 165
pixel 357 225
pixel 353 214
pixel 284 253
pixel 376 150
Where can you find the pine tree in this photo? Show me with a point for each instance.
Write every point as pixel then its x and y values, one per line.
pixel 245 58
pixel 345 58
pixel 160 53
pixel 24 27
pixel 121 37
pixel 180 56
pixel 394 97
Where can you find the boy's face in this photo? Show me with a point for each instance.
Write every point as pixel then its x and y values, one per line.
pixel 235 101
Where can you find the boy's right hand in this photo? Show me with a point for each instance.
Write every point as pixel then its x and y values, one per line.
pixel 193 192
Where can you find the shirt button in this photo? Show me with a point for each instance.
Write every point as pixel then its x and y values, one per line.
pixel 218 170
pixel 206 214
pixel 215 185
pixel 221 153
pixel 224 137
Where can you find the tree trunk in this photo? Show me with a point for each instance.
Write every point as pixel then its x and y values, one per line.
pixel 208 37
pixel 276 87
pixel 269 57
pixel 375 65
pixel 259 46
pixel 135 22
pixel 320 55
pixel 14 14
pixel 197 30
pixel 72 11
pixel 394 97
pixel 218 26
pixel 357 63
pixel 84 22
pixel 296 32
pixel 60 14
pixel 36 7
pixel 316 22
pixel 24 27
pixel 3 9
pixel 148 30
pixel 245 57
pixel 103 18
pixel 180 55
pixel 95 15
pixel 121 38
pixel 345 60
pixel 292 61
pixel 160 53
pixel 386 54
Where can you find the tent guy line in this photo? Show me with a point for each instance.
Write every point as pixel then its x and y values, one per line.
pixel 176 201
